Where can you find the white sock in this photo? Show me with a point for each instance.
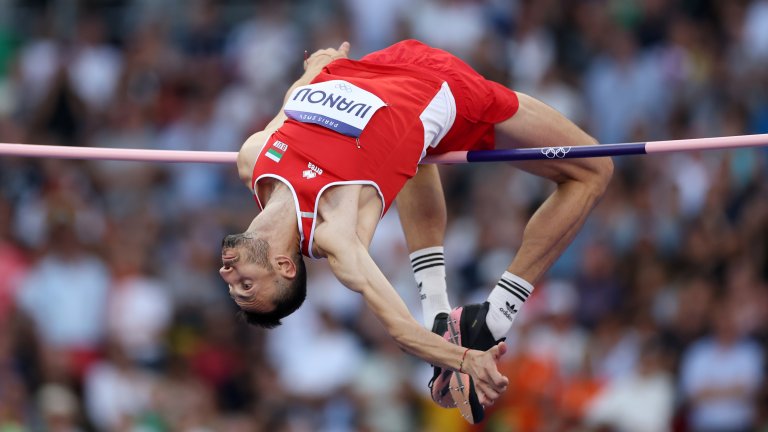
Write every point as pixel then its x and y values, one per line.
pixel 506 300
pixel 429 271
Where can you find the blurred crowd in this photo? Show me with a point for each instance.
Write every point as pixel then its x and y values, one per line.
pixel 112 315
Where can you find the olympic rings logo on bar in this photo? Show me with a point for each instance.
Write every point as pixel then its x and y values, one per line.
pixel 555 152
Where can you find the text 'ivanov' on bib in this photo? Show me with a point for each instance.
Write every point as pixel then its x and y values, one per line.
pixel 337 105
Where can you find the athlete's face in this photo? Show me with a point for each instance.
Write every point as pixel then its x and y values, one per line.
pixel 246 269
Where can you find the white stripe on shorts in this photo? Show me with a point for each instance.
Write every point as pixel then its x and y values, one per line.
pixel 438 117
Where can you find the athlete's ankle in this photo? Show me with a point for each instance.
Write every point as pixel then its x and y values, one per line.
pixel 429 271
pixel 506 300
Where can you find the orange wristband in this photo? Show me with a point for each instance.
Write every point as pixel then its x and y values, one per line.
pixel 461 364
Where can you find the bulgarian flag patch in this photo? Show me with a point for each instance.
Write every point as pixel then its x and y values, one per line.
pixel 276 151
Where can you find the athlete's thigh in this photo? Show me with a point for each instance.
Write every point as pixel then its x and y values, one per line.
pixel 538 125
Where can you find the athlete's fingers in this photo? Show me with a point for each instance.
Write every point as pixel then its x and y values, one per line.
pixel 498 350
pixel 481 398
pixel 496 382
pixel 495 378
pixel 344 48
pixel 492 381
pixel 489 393
pixel 486 397
pixel 324 56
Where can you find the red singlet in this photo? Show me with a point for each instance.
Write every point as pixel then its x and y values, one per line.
pixel 371 121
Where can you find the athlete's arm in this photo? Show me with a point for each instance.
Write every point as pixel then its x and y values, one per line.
pixel 246 157
pixel 580 184
pixel 353 266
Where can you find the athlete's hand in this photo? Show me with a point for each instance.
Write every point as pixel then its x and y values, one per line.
pixel 322 57
pixel 481 366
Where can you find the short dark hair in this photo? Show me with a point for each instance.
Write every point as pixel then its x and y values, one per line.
pixel 289 298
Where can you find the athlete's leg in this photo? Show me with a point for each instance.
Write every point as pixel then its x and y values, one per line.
pixel 421 206
pixel 579 185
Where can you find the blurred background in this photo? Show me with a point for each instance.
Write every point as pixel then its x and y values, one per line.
pixel 112 315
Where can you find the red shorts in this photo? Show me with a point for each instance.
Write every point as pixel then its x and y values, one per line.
pixel 480 103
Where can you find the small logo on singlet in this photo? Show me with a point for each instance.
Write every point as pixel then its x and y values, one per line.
pixel 276 151
pixel 312 172
pixel 344 87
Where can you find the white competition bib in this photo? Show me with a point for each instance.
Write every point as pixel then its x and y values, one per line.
pixel 337 105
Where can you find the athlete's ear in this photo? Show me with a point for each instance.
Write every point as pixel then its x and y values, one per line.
pixel 285 266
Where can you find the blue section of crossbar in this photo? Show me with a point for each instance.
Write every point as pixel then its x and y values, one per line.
pixel 556 152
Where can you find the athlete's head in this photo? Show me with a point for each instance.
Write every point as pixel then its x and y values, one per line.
pixel 267 287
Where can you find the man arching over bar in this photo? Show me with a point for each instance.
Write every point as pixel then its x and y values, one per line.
pixel 348 142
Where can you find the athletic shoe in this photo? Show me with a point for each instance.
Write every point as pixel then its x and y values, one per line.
pixel 474 332
pixel 438 385
pixel 465 327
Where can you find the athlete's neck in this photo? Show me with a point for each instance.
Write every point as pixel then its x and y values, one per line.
pixel 277 222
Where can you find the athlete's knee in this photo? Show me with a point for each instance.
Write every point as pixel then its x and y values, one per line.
pixel 599 173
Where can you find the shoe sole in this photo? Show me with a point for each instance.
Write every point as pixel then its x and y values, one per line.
pixel 441 389
pixel 461 385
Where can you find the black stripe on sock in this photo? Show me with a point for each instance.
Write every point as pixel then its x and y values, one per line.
pixel 424 267
pixel 518 285
pixel 429 261
pixel 517 290
pixel 514 286
pixel 513 293
pixel 428 256
pixel 513 289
